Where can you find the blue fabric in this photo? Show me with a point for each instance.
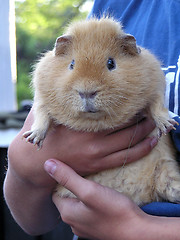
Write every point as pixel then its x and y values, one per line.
pixel 156 26
pixel 175 134
pixel 162 209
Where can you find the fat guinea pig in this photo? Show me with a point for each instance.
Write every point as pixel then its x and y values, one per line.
pixel 97 78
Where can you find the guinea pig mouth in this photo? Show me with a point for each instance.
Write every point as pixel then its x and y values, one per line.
pixel 89 107
pixel 91 115
pixel 91 112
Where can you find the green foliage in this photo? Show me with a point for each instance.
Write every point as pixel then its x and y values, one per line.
pixel 24 90
pixel 38 24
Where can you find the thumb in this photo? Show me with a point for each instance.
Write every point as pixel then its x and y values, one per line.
pixel 69 179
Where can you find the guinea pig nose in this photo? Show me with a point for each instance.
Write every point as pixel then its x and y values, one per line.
pixel 87 95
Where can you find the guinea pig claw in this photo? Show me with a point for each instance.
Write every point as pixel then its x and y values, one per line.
pixel 33 138
pixel 26 134
pixel 166 127
pixel 159 133
pixel 172 125
pixel 39 144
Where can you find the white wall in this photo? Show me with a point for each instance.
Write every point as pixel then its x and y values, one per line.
pixel 7 56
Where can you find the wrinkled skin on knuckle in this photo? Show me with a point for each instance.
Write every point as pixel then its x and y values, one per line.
pixel 91 191
pixel 93 167
pixel 94 150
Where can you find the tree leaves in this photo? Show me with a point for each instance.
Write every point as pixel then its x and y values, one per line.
pixel 38 24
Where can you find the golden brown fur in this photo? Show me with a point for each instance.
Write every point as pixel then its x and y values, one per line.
pixel 86 95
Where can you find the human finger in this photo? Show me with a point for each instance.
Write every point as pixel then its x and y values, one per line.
pixel 126 138
pixel 123 157
pixel 69 179
pixel 69 208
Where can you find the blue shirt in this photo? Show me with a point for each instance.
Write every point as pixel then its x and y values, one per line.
pixel 156 26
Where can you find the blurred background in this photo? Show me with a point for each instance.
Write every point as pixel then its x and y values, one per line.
pixel 28 28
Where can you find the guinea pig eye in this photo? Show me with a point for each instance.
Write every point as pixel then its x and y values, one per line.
pixel 111 64
pixel 71 66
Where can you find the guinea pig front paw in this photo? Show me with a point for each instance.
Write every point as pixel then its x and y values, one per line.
pixel 36 137
pixel 165 125
pixel 172 124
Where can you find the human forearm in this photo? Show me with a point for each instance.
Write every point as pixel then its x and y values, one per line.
pixel 146 227
pixel 27 187
pixel 157 228
pixel 31 207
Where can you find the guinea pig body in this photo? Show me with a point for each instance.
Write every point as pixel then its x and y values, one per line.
pixel 97 78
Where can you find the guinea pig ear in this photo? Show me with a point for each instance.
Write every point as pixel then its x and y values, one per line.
pixel 128 45
pixel 61 45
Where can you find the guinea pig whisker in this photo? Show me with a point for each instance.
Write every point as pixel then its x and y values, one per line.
pixel 107 110
pixel 110 111
pixel 65 102
pixel 114 101
pixel 130 143
pixel 123 97
pixel 117 97
pixel 66 99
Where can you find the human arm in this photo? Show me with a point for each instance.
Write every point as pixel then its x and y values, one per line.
pixel 102 213
pixel 28 188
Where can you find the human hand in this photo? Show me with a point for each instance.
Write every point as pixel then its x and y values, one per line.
pixel 85 152
pixel 98 212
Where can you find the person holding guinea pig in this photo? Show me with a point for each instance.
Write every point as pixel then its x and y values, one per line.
pixel 99 212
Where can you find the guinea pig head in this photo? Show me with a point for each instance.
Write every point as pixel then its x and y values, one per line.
pixel 100 77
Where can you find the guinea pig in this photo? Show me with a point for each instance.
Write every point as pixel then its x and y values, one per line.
pixel 97 78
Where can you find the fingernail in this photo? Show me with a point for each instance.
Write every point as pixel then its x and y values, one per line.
pixel 50 166
pixel 154 142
